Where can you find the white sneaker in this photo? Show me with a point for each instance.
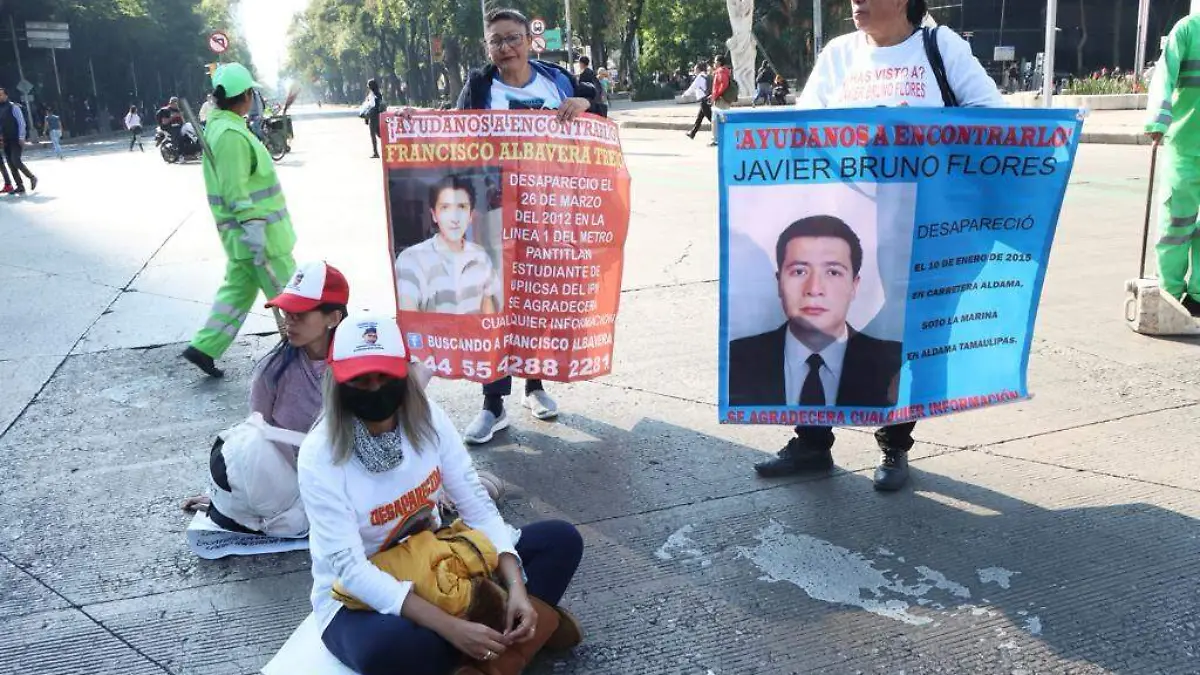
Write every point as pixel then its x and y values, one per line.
pixel 541 405
pixel 484 426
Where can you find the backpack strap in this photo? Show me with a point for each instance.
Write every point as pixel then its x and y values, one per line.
pixel 934 54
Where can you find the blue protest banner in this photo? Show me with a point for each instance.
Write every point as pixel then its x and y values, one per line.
pixel 883 265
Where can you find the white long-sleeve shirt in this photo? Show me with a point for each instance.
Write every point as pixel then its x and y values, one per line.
pixel 852 73
pixel 699 87
pixel 133 120
pixel 353 513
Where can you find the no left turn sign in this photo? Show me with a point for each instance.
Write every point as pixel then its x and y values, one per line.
pixel 537 26
pixel 218 42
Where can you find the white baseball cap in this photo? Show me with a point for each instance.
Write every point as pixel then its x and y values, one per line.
pixel 314 284
pixel 366 342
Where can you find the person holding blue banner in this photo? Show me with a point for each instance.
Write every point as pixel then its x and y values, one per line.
pixel 890 60
pixel 1174 96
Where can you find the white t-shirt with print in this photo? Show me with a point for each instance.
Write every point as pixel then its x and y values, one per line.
pixel 852 73
pixel 352 509
pixel 540 94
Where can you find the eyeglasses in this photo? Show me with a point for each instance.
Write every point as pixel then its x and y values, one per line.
pixel 497 43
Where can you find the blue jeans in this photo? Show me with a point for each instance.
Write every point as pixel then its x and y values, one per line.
pixel 382 644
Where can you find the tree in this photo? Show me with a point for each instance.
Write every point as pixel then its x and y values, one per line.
pixel 131 45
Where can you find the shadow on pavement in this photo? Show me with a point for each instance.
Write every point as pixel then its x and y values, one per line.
pixel 724 572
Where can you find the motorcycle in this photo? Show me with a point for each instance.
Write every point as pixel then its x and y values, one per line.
pixel 275 132
pixel 177 143
pixel 275 128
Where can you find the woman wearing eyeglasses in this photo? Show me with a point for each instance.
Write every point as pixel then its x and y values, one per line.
pixel 513 82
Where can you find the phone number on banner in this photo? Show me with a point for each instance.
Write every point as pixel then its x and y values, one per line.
pixel 488 370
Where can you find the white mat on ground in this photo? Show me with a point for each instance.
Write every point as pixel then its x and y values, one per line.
pixel 210 541
pixel 305 653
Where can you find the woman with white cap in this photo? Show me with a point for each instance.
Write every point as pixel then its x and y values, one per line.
pixel 371 474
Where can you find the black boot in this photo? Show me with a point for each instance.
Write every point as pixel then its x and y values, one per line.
pixel 203 362
pixel 796 458
pixel 1191 305
pixel 892 472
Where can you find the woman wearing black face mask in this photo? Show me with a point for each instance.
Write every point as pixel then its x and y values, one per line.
pixel 371 473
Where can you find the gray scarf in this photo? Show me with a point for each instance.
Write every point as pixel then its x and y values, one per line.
pixel 377 453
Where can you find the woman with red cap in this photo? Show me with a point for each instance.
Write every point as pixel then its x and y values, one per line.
pixel 371 473
pixel 286 386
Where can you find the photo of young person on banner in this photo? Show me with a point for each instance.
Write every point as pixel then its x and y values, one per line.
pixel 507 232
pixel 876 267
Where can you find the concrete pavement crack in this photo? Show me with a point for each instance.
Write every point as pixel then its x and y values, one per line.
pixel 90 326
pixel 83 611
pixel 1105 474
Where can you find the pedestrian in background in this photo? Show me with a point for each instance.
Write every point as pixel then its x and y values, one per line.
pixel 699 90
pixel 765 81
pixel 251 216
pixel 12 129
pixel 8 185
pixel 723 96
pixel 888 39
pixel 133 124
pixel 373 107
pixel 780 91
pixel 52 127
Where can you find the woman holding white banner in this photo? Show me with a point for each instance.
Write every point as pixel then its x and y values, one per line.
pixel 889 61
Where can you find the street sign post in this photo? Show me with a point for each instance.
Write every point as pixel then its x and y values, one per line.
pixel 49 35
pixel 218 42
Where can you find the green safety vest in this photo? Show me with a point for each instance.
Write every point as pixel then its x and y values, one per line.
pixel 243 186
pixel 1174 95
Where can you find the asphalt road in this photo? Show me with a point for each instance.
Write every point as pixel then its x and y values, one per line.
pixel 1057 535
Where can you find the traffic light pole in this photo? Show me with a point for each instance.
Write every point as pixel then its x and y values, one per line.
pixel 1048 59
pixel 568 39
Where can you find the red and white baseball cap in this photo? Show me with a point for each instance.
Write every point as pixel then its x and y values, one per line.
pixel 366 342
pixel 314 284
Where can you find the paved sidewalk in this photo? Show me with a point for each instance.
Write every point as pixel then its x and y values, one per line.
pixel 1056 535
pixel 1115 127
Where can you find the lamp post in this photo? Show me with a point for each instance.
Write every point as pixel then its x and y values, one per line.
pixel 1048 59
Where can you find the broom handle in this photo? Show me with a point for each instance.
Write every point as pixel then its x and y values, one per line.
pixel 1149 206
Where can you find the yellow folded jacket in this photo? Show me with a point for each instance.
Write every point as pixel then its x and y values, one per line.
pixel 439 564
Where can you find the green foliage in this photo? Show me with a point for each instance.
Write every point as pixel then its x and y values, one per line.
pixel 157 40
pixel 678 33
pixel 645 88
pixel 1102 86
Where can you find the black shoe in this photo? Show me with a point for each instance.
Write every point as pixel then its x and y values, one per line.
pixel 32 183
pixel 892 472
pixel 1191 305
pixel 691 135
pixel 203 362
pixel 796 458
pixel 20 190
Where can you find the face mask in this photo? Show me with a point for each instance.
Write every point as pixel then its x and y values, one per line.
pixel 374 406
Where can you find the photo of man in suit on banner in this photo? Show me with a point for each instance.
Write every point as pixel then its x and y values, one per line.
pixel 816 358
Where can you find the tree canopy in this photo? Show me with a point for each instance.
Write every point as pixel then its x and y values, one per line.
pixel 141 51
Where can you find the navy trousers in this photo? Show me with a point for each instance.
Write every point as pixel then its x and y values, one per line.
pixel 382 644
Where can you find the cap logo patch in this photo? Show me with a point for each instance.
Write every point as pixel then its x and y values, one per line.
pixel 370 338
pixel 296 280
